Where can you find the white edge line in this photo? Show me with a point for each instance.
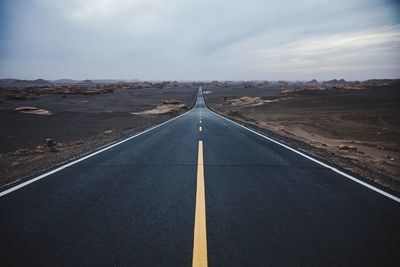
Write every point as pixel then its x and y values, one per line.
pixel 317 161
pixel 111 145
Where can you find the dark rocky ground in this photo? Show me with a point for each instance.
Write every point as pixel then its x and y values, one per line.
pixel 355 125
pixel 79 123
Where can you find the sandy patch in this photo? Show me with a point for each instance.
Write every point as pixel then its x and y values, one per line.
pixel 168 106
pixel 251 101
pixel 33 110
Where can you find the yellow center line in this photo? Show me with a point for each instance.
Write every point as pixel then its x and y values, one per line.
pixel 200 233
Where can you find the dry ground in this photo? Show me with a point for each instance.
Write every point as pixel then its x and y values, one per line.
pixel 79 123
pixel 356 129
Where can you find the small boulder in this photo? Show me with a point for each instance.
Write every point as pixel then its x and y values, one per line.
pixel 343 147
pixel 54 149
pixel 59 145
pixel 21 151
pixel 172 102
pixel 389 157
pixel 39 149
pixel 50 142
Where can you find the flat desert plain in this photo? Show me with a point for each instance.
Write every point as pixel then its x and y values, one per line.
pixel 42 128
pixel 357 129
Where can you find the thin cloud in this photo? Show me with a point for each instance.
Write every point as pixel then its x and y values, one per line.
pixel 178 39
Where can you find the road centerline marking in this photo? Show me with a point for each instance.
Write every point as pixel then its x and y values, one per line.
pixel 200 233
pixel 200 129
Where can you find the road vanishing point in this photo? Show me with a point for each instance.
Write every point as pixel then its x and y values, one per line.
pixel 198 190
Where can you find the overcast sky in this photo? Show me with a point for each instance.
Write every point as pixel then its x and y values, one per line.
pixel 200 40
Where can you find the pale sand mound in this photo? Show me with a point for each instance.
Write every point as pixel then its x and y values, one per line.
pixel 250 101
pixel 33 110
pixel 167 106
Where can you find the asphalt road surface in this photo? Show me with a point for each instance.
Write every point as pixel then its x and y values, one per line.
pixel 198 189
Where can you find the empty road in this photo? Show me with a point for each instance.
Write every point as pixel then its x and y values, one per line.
pixel 198 190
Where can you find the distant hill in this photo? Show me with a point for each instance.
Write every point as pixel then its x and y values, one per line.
pixel 23 83
pixel 98 81
pixel 15 83
pixel 65 81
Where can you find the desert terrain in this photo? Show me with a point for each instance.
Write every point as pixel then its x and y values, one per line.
pixel 351 124
pixel 355 125
pixel 44 124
